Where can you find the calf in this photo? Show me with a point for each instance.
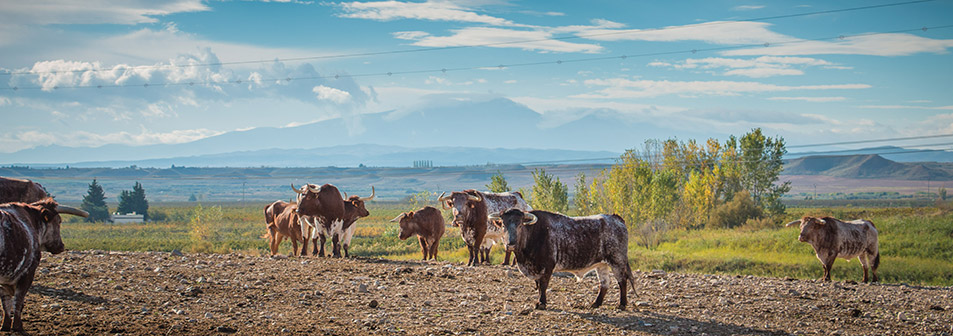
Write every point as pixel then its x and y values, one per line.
pixel 27 229
pixel 832 238
pixel 545 242
pixel 281 219
pixel 427 224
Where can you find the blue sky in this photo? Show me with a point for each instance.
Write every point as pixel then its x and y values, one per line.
pixel 792 76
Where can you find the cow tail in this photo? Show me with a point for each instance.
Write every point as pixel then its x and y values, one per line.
pixel 877 260
pixel 628 273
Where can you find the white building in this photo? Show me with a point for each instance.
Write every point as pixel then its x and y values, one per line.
pixel 127 218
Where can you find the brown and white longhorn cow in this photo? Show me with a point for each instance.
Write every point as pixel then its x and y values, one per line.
pixel 832 238
pixel 26 229
pixel 470 210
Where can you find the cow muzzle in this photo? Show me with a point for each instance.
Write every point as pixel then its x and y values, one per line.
pixel 55 248
pixel 802 239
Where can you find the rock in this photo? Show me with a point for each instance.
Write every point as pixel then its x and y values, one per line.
pixel 854 312
pixel 191 292
pixel 279 257
pixel 526 311
pixel 226 329
pixel 904 316
pixel 373 304
pixel 208 315
pixel 177 253
pixel 362 288
pixel 673 329
pixel 178 311
pixel 937 308
pixel 642 304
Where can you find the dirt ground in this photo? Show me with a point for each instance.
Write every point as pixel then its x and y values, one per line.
pixel 133 293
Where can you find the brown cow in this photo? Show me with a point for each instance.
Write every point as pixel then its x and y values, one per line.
pixel 464 204
pixel 318 209
pixel 27 230
pixel 353 210
pixel 427 224
pixel 17 190
pixel 833 238
pixel 282 221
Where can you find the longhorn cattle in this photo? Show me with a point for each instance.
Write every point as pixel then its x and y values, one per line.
pixel 318 209
pixel 27 229
pixel 353 210
pixel 832 238
pixel 17 190
pixel 545 242
pixel 470 210
pixel 281 219
pixel 427 223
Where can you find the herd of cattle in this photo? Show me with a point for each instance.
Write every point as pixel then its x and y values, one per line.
pixel 543 242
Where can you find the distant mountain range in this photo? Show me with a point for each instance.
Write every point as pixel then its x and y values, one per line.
pixel 868 166
pixel 493 130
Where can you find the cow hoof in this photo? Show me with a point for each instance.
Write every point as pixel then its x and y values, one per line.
pixel 540 306
pixel 595 305
pixel 621 307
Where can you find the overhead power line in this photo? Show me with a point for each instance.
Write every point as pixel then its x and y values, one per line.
pixel 419 50
pixel 470 68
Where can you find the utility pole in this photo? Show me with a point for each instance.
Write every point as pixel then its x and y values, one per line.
pixel 243 193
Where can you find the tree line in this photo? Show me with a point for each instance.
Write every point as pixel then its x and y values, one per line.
pixel 675 184
pixel 130 201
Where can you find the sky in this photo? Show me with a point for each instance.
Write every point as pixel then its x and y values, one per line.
pixel 143 72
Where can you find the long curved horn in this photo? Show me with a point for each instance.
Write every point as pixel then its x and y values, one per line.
pixel 475 198
pixel 345 194
pixel 821 221
pixel 296 189
pixel 397 219
pixel 494 217
pixel 313 189
pixel 71 211
pixel 792 223
pixel 442 198
pixel 529 219
pixel 369 197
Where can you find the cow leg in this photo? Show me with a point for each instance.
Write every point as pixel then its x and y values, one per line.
pixel 602 273
pixel 19 299
pixel 9 308
pixel 543 284
pixel 864 261
pixel 506 259
pixel 433 249
pixel 828 262
pixel 423 247
pixel 278 239
pixel 473 250
pixel 272 241
pixel 304 246
pixel 335 246
pixel 323 239
pixel 294 246
pixel 876 264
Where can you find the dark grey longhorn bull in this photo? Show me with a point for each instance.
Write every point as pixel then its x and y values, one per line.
pixel 26 229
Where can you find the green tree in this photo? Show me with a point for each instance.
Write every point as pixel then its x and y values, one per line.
pixel 95 203
pixel 549 193
pixel 498 183
pixel 761 162
pixel 583 203
pixel 134 201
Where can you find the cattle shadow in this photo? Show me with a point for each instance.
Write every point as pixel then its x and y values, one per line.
pixel 66 294
pixel 659 324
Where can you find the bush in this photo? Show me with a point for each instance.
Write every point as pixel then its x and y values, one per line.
pixel 736 212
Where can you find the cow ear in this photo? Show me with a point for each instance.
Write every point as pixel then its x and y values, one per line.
pixel 47 215
pixel 410 214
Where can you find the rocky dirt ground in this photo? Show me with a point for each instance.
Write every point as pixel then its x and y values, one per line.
pixel 132 293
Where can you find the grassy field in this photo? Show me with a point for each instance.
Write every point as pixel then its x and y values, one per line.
pixel 916 243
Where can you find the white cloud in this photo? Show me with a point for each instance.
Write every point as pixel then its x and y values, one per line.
pixel 429 11
pixel 626 88
pixel 537 40
pixel 747 7
pixel 760 67
pixel 510 81
pixel 331 94
pixel 129 12
pixel 716 32
pixel 4 101
pixel 763 72
pixel 875 45
pixel 906 107
pixel 32 138
pixel 810 99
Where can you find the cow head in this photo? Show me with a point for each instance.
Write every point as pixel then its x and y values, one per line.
pixel 463 204
pixel 512 220
pixel 408 226
pixel 357 203
pixel 811 227
pixel 48 221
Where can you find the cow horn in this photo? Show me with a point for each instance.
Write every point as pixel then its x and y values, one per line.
pixel 442 198
pixel 821 221
pixel 792 223
pixel 529 219
pixel 345 194
pixel 296 189
pixel 475 198
pixel 72 211
pixel 369 197
pixel 493 217
pixel 313 189
pixel 397 219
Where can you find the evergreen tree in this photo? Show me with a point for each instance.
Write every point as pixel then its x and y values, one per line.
pixel 134 201
pixel 95 203
pixel 498 183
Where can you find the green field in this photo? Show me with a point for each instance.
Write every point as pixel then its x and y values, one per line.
pixel 916 243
